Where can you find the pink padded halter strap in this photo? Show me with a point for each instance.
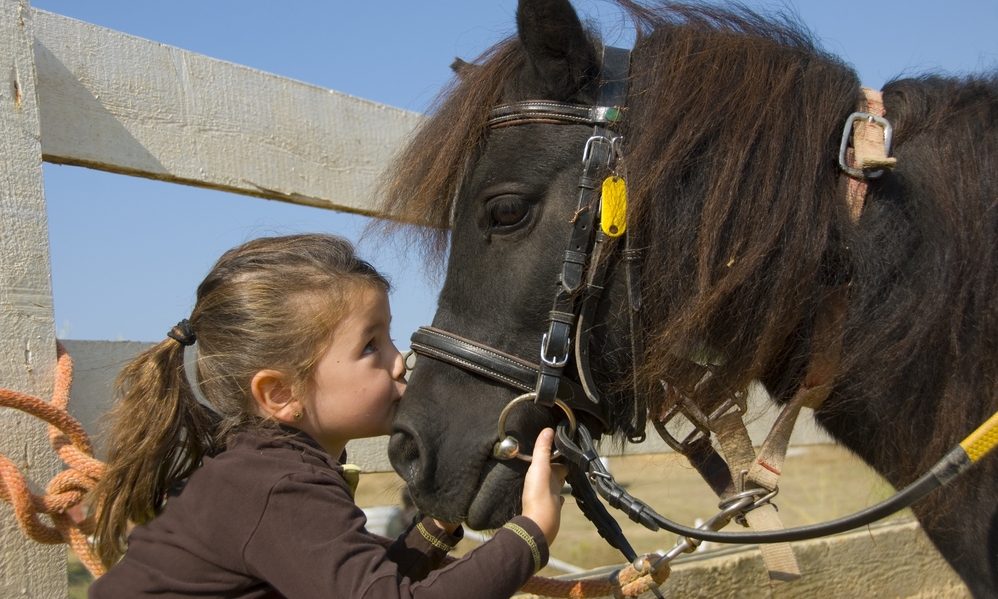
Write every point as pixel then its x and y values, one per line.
pixel 868 151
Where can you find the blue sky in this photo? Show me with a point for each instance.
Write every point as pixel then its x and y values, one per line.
pixel 127 254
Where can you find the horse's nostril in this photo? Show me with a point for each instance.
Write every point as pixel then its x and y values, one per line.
pixel 403 451
pixel 409 449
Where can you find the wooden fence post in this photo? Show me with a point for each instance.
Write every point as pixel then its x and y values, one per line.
pixel 27 327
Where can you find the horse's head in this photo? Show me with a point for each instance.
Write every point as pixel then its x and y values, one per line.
pixel 511 223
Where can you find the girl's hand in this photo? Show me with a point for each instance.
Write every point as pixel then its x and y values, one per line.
pixel 542 498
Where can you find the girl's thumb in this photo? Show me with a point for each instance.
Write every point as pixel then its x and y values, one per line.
pixel 543 443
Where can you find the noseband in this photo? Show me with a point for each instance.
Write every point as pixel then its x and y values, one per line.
pixel 579 287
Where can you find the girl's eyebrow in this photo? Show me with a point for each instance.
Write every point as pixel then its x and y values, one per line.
pixel 374 327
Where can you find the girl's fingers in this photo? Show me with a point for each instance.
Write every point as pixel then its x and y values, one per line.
pixel 559 472
pixel 542 498
pixel 542 447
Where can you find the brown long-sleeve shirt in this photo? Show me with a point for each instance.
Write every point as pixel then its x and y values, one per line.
pixel 272 517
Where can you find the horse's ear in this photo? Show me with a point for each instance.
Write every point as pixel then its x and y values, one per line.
pixel 461 68
pixel 560 54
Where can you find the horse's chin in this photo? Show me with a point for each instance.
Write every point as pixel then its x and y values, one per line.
pixel 498 497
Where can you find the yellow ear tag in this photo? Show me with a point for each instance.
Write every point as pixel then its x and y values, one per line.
pixel 613 206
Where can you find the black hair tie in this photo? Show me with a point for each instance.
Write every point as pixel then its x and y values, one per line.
pixel 183 333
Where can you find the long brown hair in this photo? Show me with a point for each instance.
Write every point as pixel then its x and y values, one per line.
pixel 269 303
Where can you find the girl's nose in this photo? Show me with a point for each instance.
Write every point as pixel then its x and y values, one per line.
pixel 398 365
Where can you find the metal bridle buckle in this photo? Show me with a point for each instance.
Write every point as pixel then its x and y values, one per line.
pixel 702 424
pixel 738 402
pixel 409 359
pixel 556 363
pixel 852 171
pixel 611 155
pixel 508 447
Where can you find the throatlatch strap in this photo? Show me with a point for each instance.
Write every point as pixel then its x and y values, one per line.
pixel 763 471
pixel 825 355
pixel 869 152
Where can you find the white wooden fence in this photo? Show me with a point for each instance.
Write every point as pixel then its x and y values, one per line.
pixel 74 93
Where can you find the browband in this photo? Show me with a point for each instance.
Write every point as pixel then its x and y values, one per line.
pixel 508 114
pixel 613 90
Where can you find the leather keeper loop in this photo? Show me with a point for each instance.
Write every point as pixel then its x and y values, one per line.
pixel 562 317
pixel 571 277
pixel 547 387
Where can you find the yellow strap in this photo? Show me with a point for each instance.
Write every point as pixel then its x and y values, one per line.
pixel 982 440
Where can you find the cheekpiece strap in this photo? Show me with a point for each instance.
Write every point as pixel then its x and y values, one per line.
pixel 596 158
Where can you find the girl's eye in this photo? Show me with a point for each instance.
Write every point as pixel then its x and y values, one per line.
pixel 370 348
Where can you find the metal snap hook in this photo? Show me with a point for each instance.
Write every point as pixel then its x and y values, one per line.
pixel 508 447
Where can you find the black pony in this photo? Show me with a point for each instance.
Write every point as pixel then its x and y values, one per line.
pixel 732 128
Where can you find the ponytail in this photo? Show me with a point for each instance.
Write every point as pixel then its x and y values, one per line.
pixel 157 435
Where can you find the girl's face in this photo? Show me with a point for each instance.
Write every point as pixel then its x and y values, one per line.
pixel 359 379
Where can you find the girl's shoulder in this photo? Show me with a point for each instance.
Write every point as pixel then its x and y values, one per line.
pixel 234 488
pixel 236 500
pixel 276 448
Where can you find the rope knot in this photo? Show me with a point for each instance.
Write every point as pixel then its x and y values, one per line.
pixel 68 489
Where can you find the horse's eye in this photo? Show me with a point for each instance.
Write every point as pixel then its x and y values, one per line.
pixel 507 211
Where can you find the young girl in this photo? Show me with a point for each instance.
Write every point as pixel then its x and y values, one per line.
pixel 246 498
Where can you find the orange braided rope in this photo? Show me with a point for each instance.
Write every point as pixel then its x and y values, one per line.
pixel 66 490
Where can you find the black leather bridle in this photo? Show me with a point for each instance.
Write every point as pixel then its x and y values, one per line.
pixel 580 278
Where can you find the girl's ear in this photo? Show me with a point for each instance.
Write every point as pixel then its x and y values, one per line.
pixel 272 392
